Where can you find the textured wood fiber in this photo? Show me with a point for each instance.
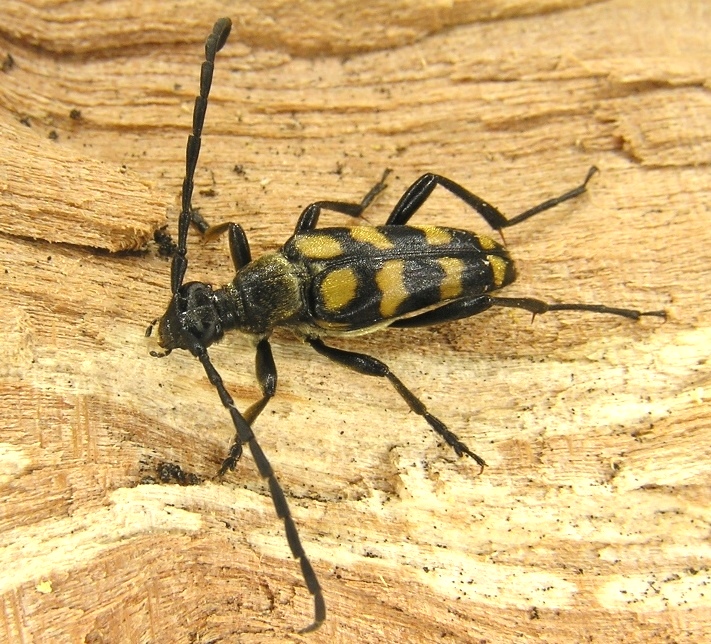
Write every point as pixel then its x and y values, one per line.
pixel 591 521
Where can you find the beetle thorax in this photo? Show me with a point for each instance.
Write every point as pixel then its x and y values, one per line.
pixel 267 293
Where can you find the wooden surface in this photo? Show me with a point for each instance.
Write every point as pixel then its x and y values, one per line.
pixel 591 522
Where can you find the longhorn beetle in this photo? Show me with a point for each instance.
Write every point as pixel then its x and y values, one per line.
pixel 339 281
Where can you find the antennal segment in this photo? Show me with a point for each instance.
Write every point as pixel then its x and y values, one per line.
pixel 215 41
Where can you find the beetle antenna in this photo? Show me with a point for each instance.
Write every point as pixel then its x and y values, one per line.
pixel 215 41
pixel 245 435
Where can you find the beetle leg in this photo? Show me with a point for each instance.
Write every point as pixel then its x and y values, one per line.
pixel 370 366
pixel 466 307
pixel 416 195
pixel 267 379
pixel 454 310
pixel 197 220
pixel 309 216
pixel 538 306
pixel 239 246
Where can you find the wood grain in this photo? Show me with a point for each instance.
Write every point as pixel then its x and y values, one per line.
pixel 591 521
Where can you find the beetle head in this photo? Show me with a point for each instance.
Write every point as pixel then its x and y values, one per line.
pixel 192 319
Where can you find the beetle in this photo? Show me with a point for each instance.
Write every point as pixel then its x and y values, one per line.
pixel 326 282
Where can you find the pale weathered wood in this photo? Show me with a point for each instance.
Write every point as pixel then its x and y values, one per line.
pixel 591 521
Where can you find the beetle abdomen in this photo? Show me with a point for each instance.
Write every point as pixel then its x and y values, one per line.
pixel 366 275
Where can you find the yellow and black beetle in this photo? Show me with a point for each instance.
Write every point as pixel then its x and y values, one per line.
pixel 339 281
